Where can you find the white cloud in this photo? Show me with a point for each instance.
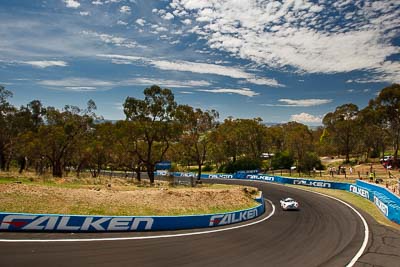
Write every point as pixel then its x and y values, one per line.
pixel 141 22
pixel 69 83
pixel 111 39
pixel 84 13
pixel 121 57
pixel 120 22
pixel 97 2
pixel 168 16
pixel 305 102
pixel 341 36
pixel 125 10
pixel 87 84
pixel 306 118
pixel 187 21
pixel 46 63
pixel 166 83
pixel 202 68
pixel 80 88
pixel 72 3
pixel 244 91
pixel 206 68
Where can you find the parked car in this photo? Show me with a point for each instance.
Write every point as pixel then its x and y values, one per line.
pixel 289 204
pixel 385 159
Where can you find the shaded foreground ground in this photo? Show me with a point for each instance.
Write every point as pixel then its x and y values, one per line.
pixel 123 200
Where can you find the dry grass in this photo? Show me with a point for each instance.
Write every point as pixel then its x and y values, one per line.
pixel 70 197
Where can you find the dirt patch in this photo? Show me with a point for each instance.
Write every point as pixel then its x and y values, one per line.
pixel 96 200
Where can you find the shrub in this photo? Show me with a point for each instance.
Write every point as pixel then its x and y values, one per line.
pixel 241 165
pixel 282 160
pixel 207 168
pixel 310 161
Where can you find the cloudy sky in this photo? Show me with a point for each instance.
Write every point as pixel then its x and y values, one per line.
pixel 277 60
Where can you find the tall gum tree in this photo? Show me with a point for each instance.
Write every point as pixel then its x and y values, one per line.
pixel 387 104
pixel 154 117
pixel 7 112
pixel 61 132
pixel 197 126
pixel 343 128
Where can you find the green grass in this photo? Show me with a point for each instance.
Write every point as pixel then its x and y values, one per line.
pixel 356 201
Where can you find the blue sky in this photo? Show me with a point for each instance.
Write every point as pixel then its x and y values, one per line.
pixel 278 60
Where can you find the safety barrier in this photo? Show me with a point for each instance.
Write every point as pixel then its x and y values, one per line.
pixel 387 202
pixel 89 223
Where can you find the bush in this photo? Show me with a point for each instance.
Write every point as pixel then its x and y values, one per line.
pixel 310 161
pixel 241 165
pixel 282 160
pixel 207 168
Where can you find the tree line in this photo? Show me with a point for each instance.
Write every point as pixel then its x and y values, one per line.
pixel 156 128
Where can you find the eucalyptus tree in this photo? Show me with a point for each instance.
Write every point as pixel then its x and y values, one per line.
pixel 154 117
pixel 27 121
pixel 387 104
pixel 343 128
pixel 127 139
pixel 252 136
pixel 197 126
pixel 61 132
pixel 298 140
pixel 7 113
pixel 374 135
pixel 226 140
pixel 100 148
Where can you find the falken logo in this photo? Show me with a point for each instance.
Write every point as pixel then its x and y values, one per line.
pixel 312 183
pixel 359 191
pixel 223 176
pixel 261 177
pixel 382 206
pixel 68 223
pixel 229 218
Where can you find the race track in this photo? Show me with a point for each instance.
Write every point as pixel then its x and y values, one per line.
pixel 323 233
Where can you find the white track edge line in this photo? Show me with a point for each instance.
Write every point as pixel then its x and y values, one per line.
pixel 141 237
pixel 366 228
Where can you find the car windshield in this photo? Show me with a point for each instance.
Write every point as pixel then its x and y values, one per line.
pixel 289 199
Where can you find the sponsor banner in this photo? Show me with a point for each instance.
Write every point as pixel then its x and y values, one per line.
pixel 243 174
pixel 363 192
pixel 81 223
pixel 381 206
pixel 262 177
pixel 217 176
pixel 163 165
pixel 162 173
pixel 382 190
pixel 312 183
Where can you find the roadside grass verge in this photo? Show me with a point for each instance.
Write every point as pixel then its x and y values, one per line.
pixel 357 201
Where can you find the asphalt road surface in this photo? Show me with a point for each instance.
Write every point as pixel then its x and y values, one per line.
pixel 323 233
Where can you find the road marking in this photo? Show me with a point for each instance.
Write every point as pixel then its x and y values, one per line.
pixel 366 228
pixel 142 237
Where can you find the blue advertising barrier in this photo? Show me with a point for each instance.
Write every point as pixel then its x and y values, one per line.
pixel 95 223
pixel 386 201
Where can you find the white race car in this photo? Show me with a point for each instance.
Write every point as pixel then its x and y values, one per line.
pixel 289 204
